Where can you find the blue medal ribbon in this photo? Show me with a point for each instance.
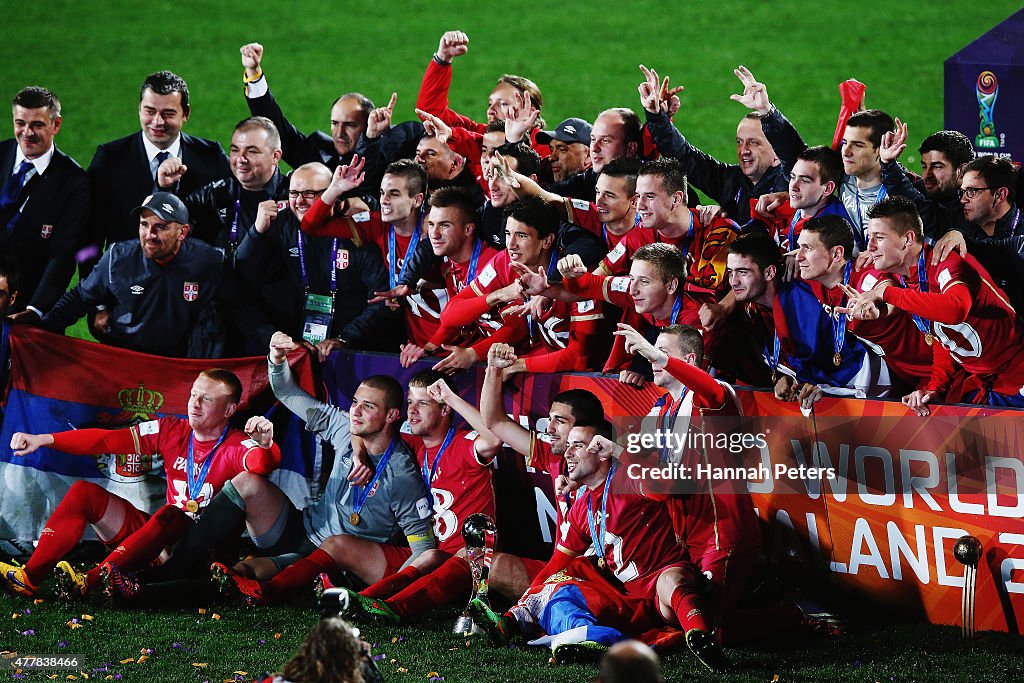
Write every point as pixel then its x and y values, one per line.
pixel 676 307
pixel 193 481
pixel 428 476
pixel 362 492
pixel 792 229
pixel 394 275
pixel 839 321
pixel 597 528
pixel 859 232
pixel 923 324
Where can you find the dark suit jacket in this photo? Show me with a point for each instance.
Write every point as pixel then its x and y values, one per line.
pixel 121 179
pixel 51 228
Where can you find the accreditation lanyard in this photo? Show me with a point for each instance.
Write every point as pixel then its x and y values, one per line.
pixel 598 527
pixel 839 321
pixel 923 324
pixel 668 412
pixel 334 267
pixel 194 481
pixel 395 275
pixel 428 475
pixel 361 493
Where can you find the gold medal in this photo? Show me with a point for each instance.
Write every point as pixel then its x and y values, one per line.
pixel 837 359
pixel 601 563
pixel 354 518
pixel 191 506
pixel 928 338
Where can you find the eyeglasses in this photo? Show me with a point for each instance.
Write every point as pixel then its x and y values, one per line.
pixel 971 192
pixel 306 194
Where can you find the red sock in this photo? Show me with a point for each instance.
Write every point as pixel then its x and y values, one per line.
pixel 684 604
pixel 390 585
pixel 298 576
pixel 84 503
pixel 445 584
pixel 167 525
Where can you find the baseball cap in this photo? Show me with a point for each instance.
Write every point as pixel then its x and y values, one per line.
pixel 165 205
pixel 570 130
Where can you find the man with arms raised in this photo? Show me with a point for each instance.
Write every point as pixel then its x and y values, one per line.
pixel 346 527
pixel 200 454
pixel 731 185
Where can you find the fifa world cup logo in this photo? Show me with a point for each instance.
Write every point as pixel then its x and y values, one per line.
pixel 988 90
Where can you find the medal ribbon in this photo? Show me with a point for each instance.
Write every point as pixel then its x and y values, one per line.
pixel 839 322
pixel 393 248
pixel 195 482
pixel 597 529
pixel 361 493
pixel 922 279
pixel 429 476
pixel 670 410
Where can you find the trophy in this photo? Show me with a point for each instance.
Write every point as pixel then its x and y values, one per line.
pixel 479 533
pixel 967 551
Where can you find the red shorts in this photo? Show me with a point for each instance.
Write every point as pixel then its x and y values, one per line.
pixel 532 567
pixel 394 557
pixel 134 518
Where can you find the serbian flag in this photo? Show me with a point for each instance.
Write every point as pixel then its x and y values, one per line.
pixel 59 383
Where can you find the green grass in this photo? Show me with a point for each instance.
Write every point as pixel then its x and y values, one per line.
pixel 244 640
pixel 584 57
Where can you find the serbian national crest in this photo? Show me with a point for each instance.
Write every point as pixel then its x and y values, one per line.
pixel 191 292
pixel 46 231
pixel 138 405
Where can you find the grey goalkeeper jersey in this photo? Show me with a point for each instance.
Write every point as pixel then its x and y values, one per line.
pixel 396 506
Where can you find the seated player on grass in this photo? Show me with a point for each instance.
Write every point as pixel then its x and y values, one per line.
pixel 200 454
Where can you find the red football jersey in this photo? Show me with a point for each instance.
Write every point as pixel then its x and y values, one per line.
pixel 460 486
pixel 423 309
pixel 586 215
pixel 638 538
pixel 894 335
pixel 989 342
pixel 541 457
pixel 169 436
pixel 560 322
pixel 704 248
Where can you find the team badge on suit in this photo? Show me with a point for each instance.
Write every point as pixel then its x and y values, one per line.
pixel 45 231
pixel 191 292
pixel 341 263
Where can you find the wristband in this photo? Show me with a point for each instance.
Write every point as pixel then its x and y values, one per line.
pixel 440 61
pixel 258 76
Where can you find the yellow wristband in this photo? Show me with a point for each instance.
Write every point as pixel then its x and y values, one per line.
pixel 246 79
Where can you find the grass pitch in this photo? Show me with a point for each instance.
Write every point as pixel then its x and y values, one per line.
pixel 584 58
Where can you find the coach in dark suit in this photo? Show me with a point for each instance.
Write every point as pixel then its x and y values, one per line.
pixel 44 202
pixel 123 172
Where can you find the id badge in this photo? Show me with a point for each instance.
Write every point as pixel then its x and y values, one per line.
pixel 318 318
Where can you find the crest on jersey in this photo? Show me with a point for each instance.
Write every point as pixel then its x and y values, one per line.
pixel 341 261
pixel 45 231
pixel 139 406
pixel 191 292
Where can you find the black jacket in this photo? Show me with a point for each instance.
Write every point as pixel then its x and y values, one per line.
pixel 122 178
pixel 271 259
pixel 51 228
pixel 162 310
pixel 724 183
